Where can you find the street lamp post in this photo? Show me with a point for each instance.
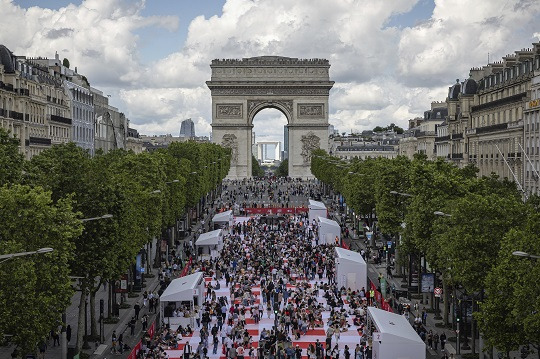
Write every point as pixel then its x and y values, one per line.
pixel 525 255
pixel 6 257
pixel 105 216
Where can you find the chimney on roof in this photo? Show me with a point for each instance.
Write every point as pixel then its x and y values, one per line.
pixel 75 69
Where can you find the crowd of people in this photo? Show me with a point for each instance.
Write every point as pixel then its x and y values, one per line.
pixel 271 271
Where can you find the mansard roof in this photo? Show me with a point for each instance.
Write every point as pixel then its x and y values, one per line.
pixel 6 59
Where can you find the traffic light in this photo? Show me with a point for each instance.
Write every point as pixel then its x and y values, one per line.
pixel 276 308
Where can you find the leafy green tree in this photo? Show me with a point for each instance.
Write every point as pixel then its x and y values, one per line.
pixel 283 169
pixel 65 62
pixel 11 160
pixel 471 237
pixel 359 188
pixel 256 169
pixel 36 289
pixel 391 208
pixel 510 314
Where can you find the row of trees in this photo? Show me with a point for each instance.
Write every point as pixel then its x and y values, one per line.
pixel 464 226
pixel 42 202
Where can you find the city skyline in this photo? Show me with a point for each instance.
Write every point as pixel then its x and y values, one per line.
pixel 153 57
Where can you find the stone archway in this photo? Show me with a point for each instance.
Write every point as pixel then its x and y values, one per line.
pixel 298 88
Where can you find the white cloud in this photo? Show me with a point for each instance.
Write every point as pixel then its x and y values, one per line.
pixel 383 74
pixel 97 36
pixel 460 34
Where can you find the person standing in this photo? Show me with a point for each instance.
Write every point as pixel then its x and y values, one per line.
pixel 346 352
pixel 215 342
pixel 442 339
pixel 137 308
pixel 132 326
pixel 358 354
pixel 430 339
pixel 42 348
pixel 144 322
pixel 113 341
pixel 435 341
pixel 68 333
pixel 121 343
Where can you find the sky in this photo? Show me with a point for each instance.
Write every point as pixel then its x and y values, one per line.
pixel 389 59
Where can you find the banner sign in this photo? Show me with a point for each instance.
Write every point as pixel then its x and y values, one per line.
pixel 282 210
pixel 428 282
pixel 152 330
pixel 378 297
pixel 135 351
pixel 121 286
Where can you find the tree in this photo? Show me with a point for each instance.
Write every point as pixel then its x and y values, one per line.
pixel 391 208
pixel 65 62
pixel 283 169
pixel 256 169
pixel 11 160
pixel 359 188
pixel 510 314
pixel 36 289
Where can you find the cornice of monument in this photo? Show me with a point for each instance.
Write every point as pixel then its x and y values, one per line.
pixel 267 84
pixel 270 61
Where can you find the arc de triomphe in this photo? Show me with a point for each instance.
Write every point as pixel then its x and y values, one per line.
pixel 299 88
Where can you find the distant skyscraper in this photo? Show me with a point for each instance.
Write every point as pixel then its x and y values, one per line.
pixel 285 154
pixel 187 128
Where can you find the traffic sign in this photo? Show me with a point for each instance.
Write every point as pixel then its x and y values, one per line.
pixel 438 292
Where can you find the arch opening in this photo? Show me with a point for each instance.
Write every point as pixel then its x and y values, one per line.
pixel 268 137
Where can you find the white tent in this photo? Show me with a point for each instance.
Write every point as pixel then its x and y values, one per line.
pixel 351 269
pixel 210 243
pixel 316 209
pixel 189 291
pixel 394 337
pixel 328 231
pixel 223 218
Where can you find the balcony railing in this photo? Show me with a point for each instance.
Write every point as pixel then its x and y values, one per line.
pixel 60 119
pixel 39 141
pixel 442 138
pixel 23 92
pixel 492 128
pixel 499 102
pixel 457 136
pixel 11 114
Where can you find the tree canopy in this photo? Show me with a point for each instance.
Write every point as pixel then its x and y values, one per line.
pixel 466 227
pixel 63 192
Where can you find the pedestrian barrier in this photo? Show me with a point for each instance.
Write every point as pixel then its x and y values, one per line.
pixel 135 351
pixel 379 298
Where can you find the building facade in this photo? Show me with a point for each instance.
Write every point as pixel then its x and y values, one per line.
pixel 422 132
pixel 82 109
pixel 133 141
pixel 365 145
pixel 486 113
pixel 531 137
pixel 110 126
pixel 33 105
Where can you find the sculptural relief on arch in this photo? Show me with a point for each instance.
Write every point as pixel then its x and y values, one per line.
pixel 298 88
